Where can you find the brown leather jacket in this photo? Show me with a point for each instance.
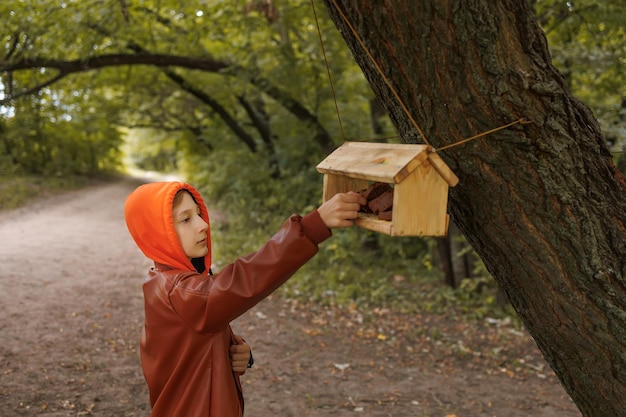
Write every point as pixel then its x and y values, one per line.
pixel 187 335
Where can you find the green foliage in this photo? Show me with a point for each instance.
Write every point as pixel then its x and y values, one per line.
pixel 588 44
pixel 355 267
pixel 152 149
pixel 279 46
pixel 361 267
pixel 245 188
pixel 344 273
pixel 183 118
pixel 63 132
pixel 37 141
pixel 17 190
pixel 476 298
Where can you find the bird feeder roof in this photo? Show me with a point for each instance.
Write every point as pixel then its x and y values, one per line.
pixel 385 162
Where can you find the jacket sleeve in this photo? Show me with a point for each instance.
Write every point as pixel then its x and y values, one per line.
pixel 209 304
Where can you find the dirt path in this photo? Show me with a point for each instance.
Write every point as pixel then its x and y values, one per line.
pixel 71 314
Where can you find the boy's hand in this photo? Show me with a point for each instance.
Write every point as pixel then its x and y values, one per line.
pixel 239 355
pixel 341 209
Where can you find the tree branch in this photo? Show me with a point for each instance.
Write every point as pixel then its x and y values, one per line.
pixel 9 96
pixel 260 122
pixel 124 10
pixel 215 106
pixel 166 60
pixel 102 61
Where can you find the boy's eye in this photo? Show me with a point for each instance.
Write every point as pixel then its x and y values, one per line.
pixel 185 220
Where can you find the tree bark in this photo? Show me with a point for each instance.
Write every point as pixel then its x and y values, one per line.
pixel 542 203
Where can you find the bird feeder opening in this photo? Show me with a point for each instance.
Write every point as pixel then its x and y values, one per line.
pixel 406 186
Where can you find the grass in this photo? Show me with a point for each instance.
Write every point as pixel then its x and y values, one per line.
pixel 18 190
pixel 366 287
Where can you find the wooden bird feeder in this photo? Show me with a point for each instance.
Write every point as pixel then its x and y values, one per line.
pixel 419 177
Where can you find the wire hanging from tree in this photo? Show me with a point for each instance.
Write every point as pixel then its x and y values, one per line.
pixel 390 86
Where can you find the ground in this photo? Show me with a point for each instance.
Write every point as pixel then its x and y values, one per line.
pixel 71 314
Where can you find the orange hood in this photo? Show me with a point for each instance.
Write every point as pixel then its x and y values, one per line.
pixel 148 214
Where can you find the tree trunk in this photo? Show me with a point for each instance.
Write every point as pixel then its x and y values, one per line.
pixel 455 260
pixel 542 203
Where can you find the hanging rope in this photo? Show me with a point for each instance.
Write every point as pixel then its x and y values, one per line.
pixel 330 79
pixel 480 135
pixel 390 86
pixel 380 72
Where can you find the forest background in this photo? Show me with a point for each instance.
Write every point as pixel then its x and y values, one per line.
pixel 245 111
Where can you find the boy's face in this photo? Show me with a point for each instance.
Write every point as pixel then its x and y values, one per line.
pixel 190 227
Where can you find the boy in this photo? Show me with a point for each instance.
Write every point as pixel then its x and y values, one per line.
pixel 190 357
